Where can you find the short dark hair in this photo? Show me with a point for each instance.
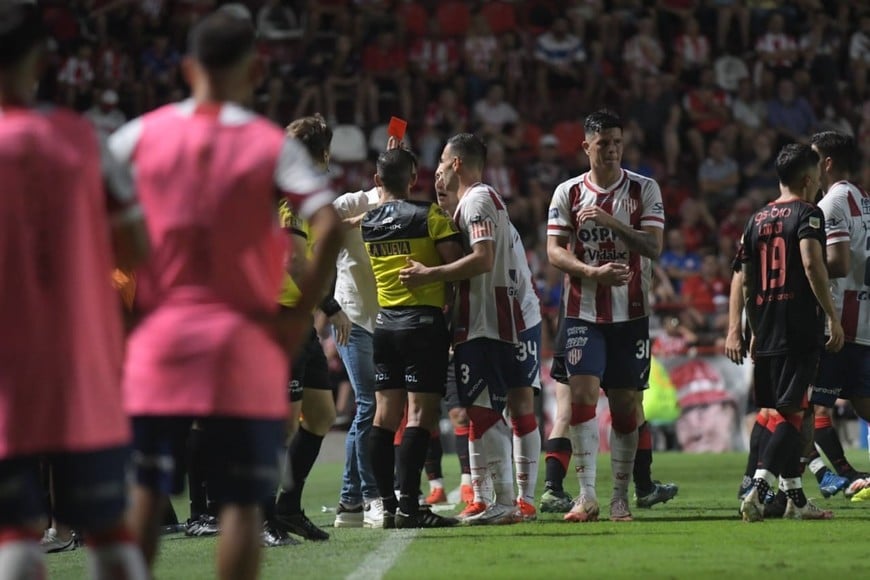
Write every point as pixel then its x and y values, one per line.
pixel 21 30
pixel 601 120
pixel 793 162
pixel 222 39
pixel 314 133
pixel 395 168
pixel 469 148
pixel 841 148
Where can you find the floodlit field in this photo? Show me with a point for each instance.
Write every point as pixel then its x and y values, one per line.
pixel 699 534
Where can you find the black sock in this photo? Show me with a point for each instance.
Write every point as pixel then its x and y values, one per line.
pixel 554 468
pixel 383 462
pixel 413 452
pixel 197 464
pixel 462 452
pixel 434 453
pixel 764 438
pixel 755 436
pixel 303 452
pixel 642 471
pixel 829 442
pixel 783 452
pixel 397 462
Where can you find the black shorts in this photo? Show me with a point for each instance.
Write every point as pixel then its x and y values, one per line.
pixel 90 488
pixel 310 369
pixel 784 380
pixel 843 375
pixel 243 455
pixel 451 394
pixel 411 349
pixel 486 364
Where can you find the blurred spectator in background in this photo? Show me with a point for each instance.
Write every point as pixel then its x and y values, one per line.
pixel 277 21
pixel 678 262
pixel 718 177
pixel 654 118
pixel 777 50
pixel 76 77
pixel 708 109
pixel 790 115
pixel 705 295
pixel 483 58
pixel 343 81
pixel 384 66
pixel 859 56
pixel 560 56
pixel 691 52
pixel 492 113
pixel 434 61
pixel 105 115
pixel 643 53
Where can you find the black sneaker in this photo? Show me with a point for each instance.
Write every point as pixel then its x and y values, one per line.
pixel 776 507
pixel 274 537
pixel 300 525
pixel 203 526
pixel 424 518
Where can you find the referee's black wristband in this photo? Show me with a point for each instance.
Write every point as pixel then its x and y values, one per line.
pixel 329 306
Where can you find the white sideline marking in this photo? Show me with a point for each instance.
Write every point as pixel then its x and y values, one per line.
pixel 379 562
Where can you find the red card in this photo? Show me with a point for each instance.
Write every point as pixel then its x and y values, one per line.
pixel 397 128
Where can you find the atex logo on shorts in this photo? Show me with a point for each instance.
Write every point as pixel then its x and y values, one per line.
pixel 574 355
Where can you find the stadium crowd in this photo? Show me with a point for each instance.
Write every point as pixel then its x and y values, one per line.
pixel 718 101
pixel 710 91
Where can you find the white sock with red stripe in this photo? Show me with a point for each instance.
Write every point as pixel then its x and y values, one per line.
pixel 583 433
pixel 114 555
pixel 20 555
pixel 480 480
pixel 623 447
pixel 498 443
pixel 527 454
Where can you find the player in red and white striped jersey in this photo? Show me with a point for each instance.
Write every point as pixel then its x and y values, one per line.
pixel 487 315
pixel 604 229
pixel 845 374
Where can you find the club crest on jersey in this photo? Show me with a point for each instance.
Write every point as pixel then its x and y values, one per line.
pixel 574 356
pixel 629 205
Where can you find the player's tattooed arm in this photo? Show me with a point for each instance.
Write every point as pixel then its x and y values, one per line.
pixel 646 241
pixel 610 274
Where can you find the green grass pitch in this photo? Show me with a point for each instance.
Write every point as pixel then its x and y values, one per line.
pixel 697 535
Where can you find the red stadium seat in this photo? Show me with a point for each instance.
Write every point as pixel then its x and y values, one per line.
pixel 454 18
pixel 415 18
pixel 570 134
pixel 501 16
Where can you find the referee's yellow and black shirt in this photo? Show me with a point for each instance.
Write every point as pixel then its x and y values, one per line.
pixel 290 293
pixel 402 229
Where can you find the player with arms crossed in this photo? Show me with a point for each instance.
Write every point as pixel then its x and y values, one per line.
pixel 486 320
pixel 61 350
pixel 411 340
pixel 604 229
pixel 845 374
pixel 786 296
pixel 211 345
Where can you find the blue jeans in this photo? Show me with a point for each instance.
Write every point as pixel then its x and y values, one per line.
pixel 358 481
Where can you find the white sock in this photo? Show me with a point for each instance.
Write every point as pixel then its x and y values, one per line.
pixel 437 483
pixel 480 481
pixel 497 442
pixel 21 559
pixel 767 476
pixel 584 449
pixel 527 453
pixel 816 465
pixel 623 447
pixel 465 479
pixel 117 561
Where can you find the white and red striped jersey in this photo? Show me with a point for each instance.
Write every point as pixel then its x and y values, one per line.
pixel 847 217
pixel 530 304
pixel 634 200
pixel 487 305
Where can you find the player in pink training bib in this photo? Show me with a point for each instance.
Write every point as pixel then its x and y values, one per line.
pixel 62 346
pixel 209 175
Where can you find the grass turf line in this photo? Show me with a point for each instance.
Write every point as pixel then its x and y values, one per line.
pixel 698 533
